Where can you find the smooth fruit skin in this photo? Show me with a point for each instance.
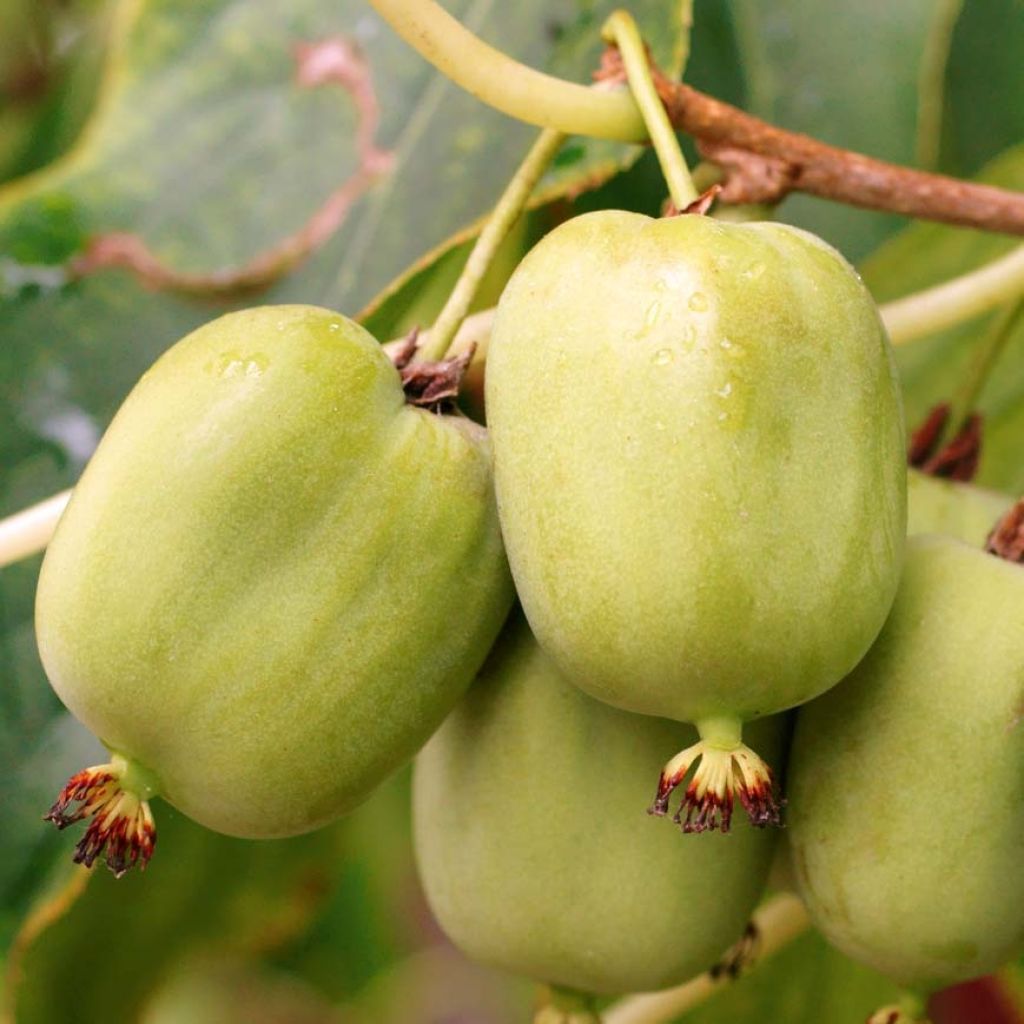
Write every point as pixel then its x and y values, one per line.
pixel 699 460
pixel 534 850
pixel 906 781
pixel 952 508
pixel 275 578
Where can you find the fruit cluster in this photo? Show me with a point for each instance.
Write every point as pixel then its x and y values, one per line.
pixel 284 566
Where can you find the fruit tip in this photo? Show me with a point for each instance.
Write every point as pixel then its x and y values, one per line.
pixel 719 776
pixel 121 822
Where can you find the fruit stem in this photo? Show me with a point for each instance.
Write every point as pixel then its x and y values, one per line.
pixel 115 797
pixel 505 214
pixel 621 29
pixel 504 83
pixel 985 355
pixel 776 923
pixel 954 301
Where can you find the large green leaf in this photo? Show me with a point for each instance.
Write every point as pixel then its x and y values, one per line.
pixel 849 74
pixel 985 89
pixel 932 368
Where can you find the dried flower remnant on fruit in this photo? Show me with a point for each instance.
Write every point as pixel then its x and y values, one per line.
pixel 699 207
pixel 1007 538
pixel 121 821
pixel 957 460
pixel 719 777
pixel 430 385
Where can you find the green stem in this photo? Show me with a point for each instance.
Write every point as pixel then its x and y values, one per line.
pixel 983 358
pixel 778 921
pixel 504 83
pixel 620 29
pixel 956 300
pixel 498 225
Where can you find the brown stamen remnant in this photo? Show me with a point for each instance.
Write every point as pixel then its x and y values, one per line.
pixel 763 164
pixel 740 956
pixel 430 385
pixel 699 206
pixel 1007 538
pixel 334 60
pixel 719 777
pixel 122 823
pixel 956 460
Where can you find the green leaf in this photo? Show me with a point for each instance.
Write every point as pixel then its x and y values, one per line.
pixel 985 89
pixel 931 368
pixel 846 73
pixel 98 945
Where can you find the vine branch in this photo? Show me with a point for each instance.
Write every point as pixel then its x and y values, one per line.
pixel 776 924
pixel 761 163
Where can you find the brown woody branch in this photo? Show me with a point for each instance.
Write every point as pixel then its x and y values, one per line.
pixel 762 164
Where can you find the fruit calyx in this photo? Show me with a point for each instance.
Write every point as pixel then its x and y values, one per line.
pixel 699 207
pixel 1006 541
pixel 957 460
pixel 724 768
pixel 430 385
pixel 115 797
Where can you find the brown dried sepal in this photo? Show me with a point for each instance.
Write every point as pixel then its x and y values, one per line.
pixel 430 385
pixel 719 777
pixel 699 207
pixel 122 823
pixel 957 460
pixel 1007 538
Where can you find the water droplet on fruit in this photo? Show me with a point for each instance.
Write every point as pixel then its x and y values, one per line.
pixel 335 327
pixel 689 335
pixel 662 357
pixel 698 302
pixel 725 390
pixel 671 279
pixel 652 314
pixel 234 364
pixel 755 270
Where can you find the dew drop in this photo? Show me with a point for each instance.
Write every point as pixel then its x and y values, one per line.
pixel 652 314
pixel 689 335
pixel 662 357
pixel 698 302
pixel 725 390
pixel 754 271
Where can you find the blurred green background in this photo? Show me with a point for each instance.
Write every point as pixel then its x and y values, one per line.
pixel 182 121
